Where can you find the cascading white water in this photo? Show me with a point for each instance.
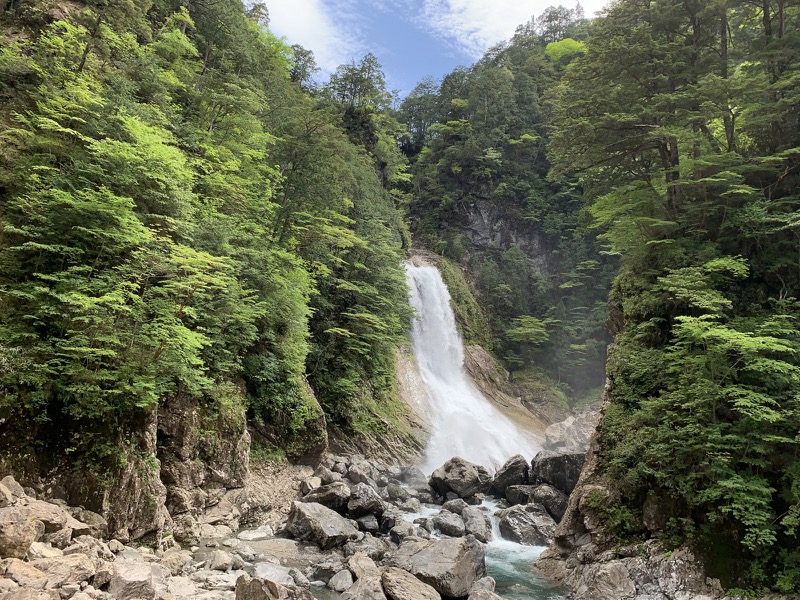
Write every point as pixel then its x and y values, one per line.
pixel 464 423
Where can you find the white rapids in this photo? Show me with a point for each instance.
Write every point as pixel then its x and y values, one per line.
pixel 463 422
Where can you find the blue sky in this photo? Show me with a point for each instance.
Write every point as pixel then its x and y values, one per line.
pixel 411 38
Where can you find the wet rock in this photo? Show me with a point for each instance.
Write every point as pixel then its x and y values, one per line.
pixel 325 569
pixel 413 476
pixel 449 524
pixel 411 505
pixel 401 531
pixel 511 473
pixel 449 566
pixel 249 588
pixel 477 523
pixel 520 494
pixel 529 524
pixel 397 492
pixel 334 495
pixel 364 500
pixel 402 585
pixel 318 524
pixel 559 470
pixel 455 506
pixel 19 528
pixel 341 581
pixel 485 595
pixel 460 477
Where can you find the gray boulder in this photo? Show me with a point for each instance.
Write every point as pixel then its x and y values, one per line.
pixel 554 501
pixel 449 566
pixel 249 588
pixel 316 523
pixel 365 588
pixel 460 477
pixel 275 573
pixel 511 473
pixel 364 500
pixel 334 495
pixel 559 470
pixel 341 581
pixel 397 492
pixel 19 528
pixel 455 506
pixel 449 524
pixel 132 581
pixel 520 494
pixel 402 585
pixel 527 524
pixel 477 523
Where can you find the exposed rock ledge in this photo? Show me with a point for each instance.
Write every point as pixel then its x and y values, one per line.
pixel 583 558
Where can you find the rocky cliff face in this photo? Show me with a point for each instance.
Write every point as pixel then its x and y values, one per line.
pixel 586 559
pixel 488 227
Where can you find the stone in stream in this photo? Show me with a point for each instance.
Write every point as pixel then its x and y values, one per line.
pixel 559 470
pixel 365 588
pixel 275 573
pixel 511 473
pixel 527 524
pixel 477 523
pixel 455 506
pixel 460 477
pixel 397 492
pixel 402 585
pixel 520 494
pixel 484 595
pixel 449 524
pixel 318 524
pixel 449 566
pixel 483 584
pixel 249 588
pixel 334 495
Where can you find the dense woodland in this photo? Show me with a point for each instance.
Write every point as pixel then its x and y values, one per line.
pixel 186 209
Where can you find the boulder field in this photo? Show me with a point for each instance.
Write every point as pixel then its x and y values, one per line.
pixel 352 526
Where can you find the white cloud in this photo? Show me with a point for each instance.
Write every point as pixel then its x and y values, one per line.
pixel 329 28
pixel 476 25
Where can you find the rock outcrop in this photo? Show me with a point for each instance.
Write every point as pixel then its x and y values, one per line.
pixel 559 470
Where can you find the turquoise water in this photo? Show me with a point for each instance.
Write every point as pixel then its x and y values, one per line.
pixel 511 565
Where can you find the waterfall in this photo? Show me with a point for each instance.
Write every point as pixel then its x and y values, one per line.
pixel 463 422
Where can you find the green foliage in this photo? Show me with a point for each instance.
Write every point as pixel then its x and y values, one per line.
pixel 179 216
pixel 690 154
